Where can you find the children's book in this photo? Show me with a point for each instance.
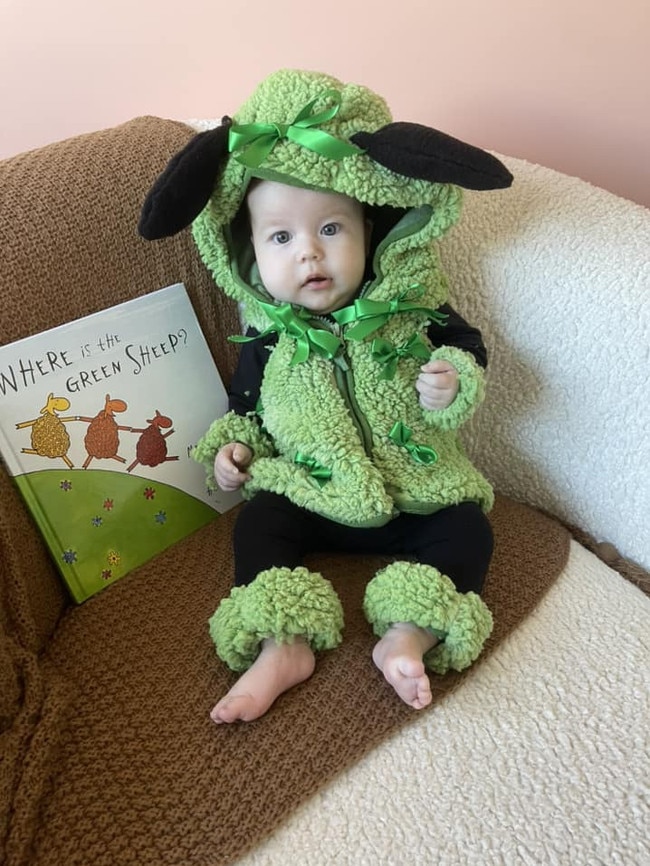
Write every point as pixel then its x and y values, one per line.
pixel 98 418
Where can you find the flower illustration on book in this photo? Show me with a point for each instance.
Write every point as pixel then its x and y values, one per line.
pixel 161 517
pixel 97 521
pixel 108 504
pixel 107 574
pixel 66 485
pixel 69 556
pixel 149 492
pixel 113 557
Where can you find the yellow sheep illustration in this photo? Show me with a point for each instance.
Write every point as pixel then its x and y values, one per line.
pixel 49 436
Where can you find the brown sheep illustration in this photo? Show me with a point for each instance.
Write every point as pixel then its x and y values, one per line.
pixel 49 436
pixel 151 447
pixel 102 437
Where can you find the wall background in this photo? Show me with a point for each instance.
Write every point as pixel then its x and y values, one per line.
pixel 564 83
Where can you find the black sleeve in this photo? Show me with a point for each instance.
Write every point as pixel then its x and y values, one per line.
pixel 244 391
pixel 457 332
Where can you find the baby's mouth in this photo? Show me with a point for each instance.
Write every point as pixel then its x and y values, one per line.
pixel 316 281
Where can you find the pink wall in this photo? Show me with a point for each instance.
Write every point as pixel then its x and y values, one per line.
pixel 565 83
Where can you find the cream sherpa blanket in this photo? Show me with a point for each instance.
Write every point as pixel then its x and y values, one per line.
pixel 543 757
pixel 557 274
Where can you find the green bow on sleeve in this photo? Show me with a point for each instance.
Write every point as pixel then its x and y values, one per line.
pixel 257 140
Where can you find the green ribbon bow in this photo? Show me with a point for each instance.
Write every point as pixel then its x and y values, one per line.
pixel 401 435
pixel 388 354
pixel 295 323
pixel 321 474
pixel 257 140
pixel 371 315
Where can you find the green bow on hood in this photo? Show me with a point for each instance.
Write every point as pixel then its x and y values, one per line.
pixel 310 130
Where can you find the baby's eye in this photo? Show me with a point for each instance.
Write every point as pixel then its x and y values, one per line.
pixel 330 229
pixel 281 237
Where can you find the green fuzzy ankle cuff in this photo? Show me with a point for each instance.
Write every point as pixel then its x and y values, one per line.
pixel 470 628
pixel 420 594
pixel 281 603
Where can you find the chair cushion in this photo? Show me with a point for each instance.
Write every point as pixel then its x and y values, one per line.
pixel 126 767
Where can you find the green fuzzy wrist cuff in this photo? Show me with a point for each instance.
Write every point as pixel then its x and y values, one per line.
pixel 230 428
pixel 420 594
pixel 470 393
pixel 281 603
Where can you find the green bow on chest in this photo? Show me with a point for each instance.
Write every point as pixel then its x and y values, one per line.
pixel 366 316
pixel 402 435
pixel 387 354
pixel 297 324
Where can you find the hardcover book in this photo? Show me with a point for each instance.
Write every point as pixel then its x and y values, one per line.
pixel 98 418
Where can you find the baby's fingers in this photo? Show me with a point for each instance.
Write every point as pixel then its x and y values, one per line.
pixel 241 456
pixel 438 366
pixel 228 466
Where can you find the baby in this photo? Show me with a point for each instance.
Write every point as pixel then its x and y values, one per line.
pixel 311 249
pixel 318 214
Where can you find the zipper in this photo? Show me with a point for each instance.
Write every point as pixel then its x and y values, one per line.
pixel 345 383
pixel 344 378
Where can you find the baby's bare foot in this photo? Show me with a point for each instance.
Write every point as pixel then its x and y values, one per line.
pixel 277 668
pixel 398 655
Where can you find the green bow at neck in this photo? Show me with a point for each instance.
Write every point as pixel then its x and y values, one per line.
pixel 257 140
pixel 296 323
pixel 401 435
pixel 388 354
pixel 371 315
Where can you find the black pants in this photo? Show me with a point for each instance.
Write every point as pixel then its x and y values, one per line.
pixel 272 531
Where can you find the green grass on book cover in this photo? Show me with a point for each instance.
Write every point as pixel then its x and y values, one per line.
pixel 102 524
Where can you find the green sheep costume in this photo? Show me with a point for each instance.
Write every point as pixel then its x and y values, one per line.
pixel 343 432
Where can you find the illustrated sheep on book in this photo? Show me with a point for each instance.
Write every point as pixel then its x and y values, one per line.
pixel 50 437
pixel 151 447
pixel 102 439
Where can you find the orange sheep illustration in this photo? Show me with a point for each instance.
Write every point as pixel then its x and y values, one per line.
pixel 102 438
pixel 151 447
pixel 49 436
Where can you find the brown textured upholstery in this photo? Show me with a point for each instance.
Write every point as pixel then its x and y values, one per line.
pixel 108 755
pixel 68 235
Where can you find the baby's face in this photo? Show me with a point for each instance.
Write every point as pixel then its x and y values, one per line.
pixel 310 246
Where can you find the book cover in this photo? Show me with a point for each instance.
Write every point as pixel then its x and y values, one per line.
pixel 98 418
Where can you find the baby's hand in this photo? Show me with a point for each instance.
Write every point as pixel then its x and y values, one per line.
pixel 437 384
pixel 230 465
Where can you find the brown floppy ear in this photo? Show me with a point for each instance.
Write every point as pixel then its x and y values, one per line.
pixel 182 191
pixel 417 151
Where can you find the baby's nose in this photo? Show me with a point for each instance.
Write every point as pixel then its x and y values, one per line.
pixel 310 250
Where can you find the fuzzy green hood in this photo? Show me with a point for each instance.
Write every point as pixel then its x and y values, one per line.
pixel 424 210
